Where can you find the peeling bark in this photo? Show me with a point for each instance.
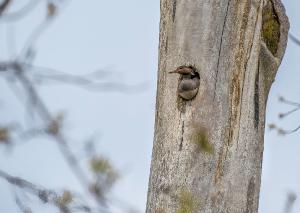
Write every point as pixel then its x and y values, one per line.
pixel 228 43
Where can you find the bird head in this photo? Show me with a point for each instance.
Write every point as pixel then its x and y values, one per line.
pixel 184 70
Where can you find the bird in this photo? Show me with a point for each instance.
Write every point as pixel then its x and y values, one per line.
pixel 189 82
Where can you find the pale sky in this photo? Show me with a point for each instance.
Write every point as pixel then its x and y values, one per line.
pixel 122 37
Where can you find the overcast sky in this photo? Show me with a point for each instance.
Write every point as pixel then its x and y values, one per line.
pixel 122 38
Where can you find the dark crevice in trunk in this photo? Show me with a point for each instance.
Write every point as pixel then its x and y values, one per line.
pixel 256 100
pixel 220 49
pixel 174 10
pixel 181 138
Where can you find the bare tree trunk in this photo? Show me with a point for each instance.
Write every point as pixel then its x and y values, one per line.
pixel 207 151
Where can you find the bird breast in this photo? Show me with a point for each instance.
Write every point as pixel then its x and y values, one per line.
pixel 188 88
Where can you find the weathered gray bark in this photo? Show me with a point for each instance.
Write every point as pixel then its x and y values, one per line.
pixel 207 152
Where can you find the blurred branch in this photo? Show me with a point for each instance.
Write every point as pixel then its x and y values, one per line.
pixel 22 207
pixel 294 39
pixel 288 102
pixel 46 71
pixel 4 5
pixel 281 131
pixel 88 81
pixel 46 116
pixel 62 202
pixel 102 169
pixel 47 196
pixel 54 129
pixel 33 37
pixel 38 31
pixel 15 16
pixel 5 66
pixel 291 198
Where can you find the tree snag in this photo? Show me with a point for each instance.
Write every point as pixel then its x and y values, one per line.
pixel 236 46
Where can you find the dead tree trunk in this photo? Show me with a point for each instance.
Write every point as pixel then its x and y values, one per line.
pixel 207 152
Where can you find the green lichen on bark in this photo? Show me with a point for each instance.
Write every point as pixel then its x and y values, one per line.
pixel 160 210
pixel 187 202
pixel 202 141
pixel 274 32
pixel 270 27
pixel 268 66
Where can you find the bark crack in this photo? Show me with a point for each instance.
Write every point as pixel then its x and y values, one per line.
pixel 250 196
pixel 236 105
pixel 220 48
pixel 166 45
pixel 245 68
pixel 181 138
pixel 174 10
pixel 256 100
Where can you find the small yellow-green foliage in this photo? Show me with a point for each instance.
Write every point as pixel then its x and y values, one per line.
pixel 160 210
pixel 66 198
pixel 202 142
pixel 187 202
pixel 102 166
pixel 4 134
pixel 270 28
pixel 56 124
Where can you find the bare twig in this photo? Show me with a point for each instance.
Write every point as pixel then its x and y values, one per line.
pixel 282 115
pixel 15 16
pixel 21 205
pixel 44 195
pixel 87 81
pixel 46 116
pixel 284 132
pixel 4 5
pixel 33 37
pixel 291 198
pixel 62 201
pixel 18 68
pixel 37 32
pixel 288 102
pixel 58 136
pixel 46 71
pixel 294 39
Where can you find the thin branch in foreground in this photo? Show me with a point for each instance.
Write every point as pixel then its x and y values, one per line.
pixel 33 37
pixel 58 136
pixel 282 115
pixel 88 81
pixel 45 195
pixel 21 205
pixel 39 30
pixel 4 5
pixel 282 131
pixel 294 39
pixel 285 132
pixel 63 202
pixel 18 72
pixel 21 13
pixel 98 74
pixel 291 198
pixel 288 102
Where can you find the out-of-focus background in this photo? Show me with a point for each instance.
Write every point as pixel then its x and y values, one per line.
pixel 121 38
